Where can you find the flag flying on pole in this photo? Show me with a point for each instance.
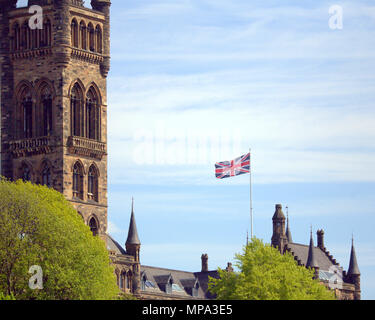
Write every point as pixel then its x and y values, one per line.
pixel 236 167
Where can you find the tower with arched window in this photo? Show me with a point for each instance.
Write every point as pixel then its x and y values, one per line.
pixel 54 100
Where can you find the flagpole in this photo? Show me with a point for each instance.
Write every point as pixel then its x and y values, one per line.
pixel 251 197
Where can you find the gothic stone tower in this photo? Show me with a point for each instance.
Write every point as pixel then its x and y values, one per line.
pixel 54 100
pixel 279 238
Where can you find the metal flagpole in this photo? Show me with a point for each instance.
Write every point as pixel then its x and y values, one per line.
pixel 251 197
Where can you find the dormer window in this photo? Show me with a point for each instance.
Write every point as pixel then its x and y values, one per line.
pixel 143 283
pixel 195 289
pixel 176 287
pixel 168 286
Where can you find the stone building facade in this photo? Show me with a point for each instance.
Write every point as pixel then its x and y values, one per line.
pixel 346 284
pixel 54 100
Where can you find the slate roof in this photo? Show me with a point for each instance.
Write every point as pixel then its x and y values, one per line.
pixel 160 277
pixel 301 251
pixel 114 246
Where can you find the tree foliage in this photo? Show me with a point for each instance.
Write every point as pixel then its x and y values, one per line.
pixel 265 274
pixel 39 227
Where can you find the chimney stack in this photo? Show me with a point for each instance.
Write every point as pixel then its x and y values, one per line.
pixel 204 263
pixel 320 235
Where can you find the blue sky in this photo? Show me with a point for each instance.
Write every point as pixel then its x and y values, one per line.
pixel 195 82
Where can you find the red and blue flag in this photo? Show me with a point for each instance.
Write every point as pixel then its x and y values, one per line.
pixel 236 167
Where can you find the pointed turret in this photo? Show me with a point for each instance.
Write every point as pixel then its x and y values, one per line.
pixel 288 233
pixel 353 265
pixel 354 275
pixel 311 260
pixel 133 248
pixel 133 238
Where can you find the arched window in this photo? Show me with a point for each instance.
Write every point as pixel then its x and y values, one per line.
pixel 99 39
pixel 83 33
pixel 34 41
pixel 46 110
pixel 46 33
pixel 121 284
pixel 91 33
pixel 93 184
pixel 77 114
pixel 94 226
pixel 78 181
pixel 93 115
pixel 129 281
pixel 74 31
pixel 27 113
pixel 46 176
pixel 26 173
pixel 25 36
pixel 16 37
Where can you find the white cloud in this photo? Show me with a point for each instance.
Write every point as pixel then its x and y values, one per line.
pixel 113 228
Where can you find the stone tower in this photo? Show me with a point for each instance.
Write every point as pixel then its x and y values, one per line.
pixel 54 62
pixel 279 238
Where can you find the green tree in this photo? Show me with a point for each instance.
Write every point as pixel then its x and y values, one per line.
pixel 265 274
pixel 39 227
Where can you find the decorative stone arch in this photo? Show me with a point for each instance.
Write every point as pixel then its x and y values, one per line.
pixel 93 86
pixel 45 102
pixel 93 223
pixel 74 33
pixel 84 171
pixel 20 86
pixel 99 38
pixel 93 182
pixel 91 37
pixel 77 81
pixel 77 108
pixel 25 36
pixel 83 35
pixel 45 172
pixel 129 280
pixel 93 112
pixel 26 171
pixel 25 114
pixel 15 30
pixel 78 173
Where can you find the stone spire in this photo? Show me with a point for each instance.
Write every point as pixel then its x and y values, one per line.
pixel 311 260
pixel 353 265
pixel 288 233
pixel 133 238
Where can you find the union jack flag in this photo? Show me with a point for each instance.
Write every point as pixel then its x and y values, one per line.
pixel 233 168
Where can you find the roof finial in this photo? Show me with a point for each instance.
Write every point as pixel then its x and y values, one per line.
pixel 132 204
